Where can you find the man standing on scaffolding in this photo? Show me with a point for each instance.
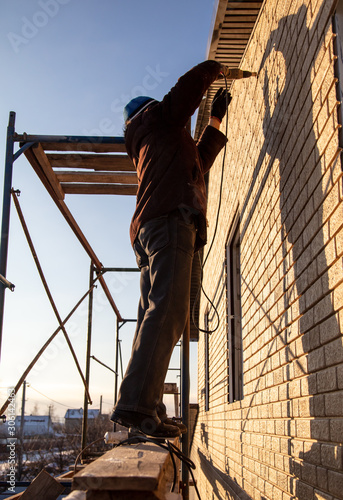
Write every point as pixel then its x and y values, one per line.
pixel 168 227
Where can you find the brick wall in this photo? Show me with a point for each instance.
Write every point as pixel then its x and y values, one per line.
pixel 283 177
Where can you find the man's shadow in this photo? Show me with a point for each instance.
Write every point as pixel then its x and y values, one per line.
pixel 290 139
pixel 290 147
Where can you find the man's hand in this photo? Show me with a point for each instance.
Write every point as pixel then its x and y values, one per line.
pixel 220 103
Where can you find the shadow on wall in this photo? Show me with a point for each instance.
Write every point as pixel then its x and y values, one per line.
pixel 305 272
pixel 204 435
pixel 302 194
pixel 220 480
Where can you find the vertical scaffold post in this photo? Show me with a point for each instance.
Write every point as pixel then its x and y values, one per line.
pixel 185 385
pixel 88 356
pixel 21 433
pixel 6 205
pixel 116 362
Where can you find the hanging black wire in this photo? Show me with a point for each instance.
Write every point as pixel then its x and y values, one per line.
pixel 202 264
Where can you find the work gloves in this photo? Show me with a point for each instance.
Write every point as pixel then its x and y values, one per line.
pixel 220 103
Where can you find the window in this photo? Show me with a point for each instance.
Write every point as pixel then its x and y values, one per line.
pixel 234 330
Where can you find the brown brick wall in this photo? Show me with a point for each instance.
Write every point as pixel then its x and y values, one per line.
pixel 283 176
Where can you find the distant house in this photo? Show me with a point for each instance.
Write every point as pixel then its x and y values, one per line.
pixel 73 418
pixel 34 425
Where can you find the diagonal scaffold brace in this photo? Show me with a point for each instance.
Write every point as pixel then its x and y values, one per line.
pixel 42 349
pixel 52 302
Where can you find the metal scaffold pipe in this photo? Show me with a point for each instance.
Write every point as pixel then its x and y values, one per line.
pixel 88 356
pixel 6 213
pixel 185 386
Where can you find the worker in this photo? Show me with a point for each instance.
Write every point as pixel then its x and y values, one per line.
pixel 167 228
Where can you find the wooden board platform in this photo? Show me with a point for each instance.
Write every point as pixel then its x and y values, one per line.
pixel 113 173
pixel 139 471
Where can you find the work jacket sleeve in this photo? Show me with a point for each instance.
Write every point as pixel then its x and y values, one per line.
pixel 185 97
pixel 209 145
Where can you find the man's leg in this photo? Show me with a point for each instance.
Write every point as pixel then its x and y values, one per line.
pixel 169 244
pixel 143 264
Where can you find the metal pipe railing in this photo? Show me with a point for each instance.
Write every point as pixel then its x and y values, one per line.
pixel 6 206
pixel 185 386
pixel 88 355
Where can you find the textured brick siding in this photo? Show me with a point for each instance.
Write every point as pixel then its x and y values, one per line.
pixel 283 176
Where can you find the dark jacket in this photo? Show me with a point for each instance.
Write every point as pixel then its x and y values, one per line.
pixel 170 165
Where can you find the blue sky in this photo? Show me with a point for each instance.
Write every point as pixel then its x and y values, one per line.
pixel 69 67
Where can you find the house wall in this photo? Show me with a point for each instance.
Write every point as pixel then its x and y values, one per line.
pixel 283 177
pixel 34 425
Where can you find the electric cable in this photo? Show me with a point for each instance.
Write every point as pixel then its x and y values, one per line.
pixel 47 397
pixel 85 448
pixel 174 467
pixel 202 264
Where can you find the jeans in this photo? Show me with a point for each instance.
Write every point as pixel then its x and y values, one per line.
pixel 164 251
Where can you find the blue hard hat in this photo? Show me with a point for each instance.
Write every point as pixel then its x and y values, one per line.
pixel 136 106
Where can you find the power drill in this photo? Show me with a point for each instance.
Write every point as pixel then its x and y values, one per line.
pixel 236 73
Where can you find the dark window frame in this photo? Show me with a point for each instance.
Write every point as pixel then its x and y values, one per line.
pixel 234 314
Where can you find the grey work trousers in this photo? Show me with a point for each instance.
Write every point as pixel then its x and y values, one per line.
pixel 164 251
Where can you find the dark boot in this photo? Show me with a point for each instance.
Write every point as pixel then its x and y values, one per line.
pixel 147 424
pixel 177 423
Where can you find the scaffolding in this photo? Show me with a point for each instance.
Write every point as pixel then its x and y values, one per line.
pixel 83 165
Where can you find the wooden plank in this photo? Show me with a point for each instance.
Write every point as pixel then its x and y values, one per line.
pixel 43 486
pixel 243 5
pixel 84 146
pixel 229 61
pixel 77 495
pixel 242 12
pixel 122 495
pixel 128 495
pixel 233 44
pixel 75 142
pixel 67 477
pixel 170 388
pixel 238 29
pixel 239 19
pixel 128 468
pixel 233 61
pixel 37 168
pixel 235 36
pixel 100 189
pixel 228 34
pixel 47 170
pixel 233 52
pixel 98 177
pixel 115 162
